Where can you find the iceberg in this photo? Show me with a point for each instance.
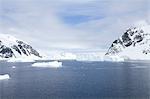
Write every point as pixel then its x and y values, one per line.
pixel 4 77
pixel 53 64
pixel 13 67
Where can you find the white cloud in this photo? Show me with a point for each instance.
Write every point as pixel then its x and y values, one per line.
pixel 32 20
pixel 41 23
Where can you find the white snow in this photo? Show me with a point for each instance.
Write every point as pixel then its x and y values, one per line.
pixel 53 64
pixel 97 56
pixel 13 67
pixel 134 52
pixel 21 59
pixel 4 77
pixel 84 56
pixel 10 41
pixel 113 58
pixel 7 39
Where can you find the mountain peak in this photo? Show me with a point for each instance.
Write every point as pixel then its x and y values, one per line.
pixel 133 40
pixel 13 47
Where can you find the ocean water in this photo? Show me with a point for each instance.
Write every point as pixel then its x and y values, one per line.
pixel 77 80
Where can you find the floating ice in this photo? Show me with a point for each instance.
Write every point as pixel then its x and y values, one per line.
pixel 4 77
pixel 53 64
pixel 13 67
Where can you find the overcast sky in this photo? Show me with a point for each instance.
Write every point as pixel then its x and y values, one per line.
pixel 71 24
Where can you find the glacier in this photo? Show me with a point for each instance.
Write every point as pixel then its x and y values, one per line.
pixel 85 56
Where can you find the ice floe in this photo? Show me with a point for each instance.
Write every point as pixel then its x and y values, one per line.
pixel 53 64
pixel 4 77
pixel 13 67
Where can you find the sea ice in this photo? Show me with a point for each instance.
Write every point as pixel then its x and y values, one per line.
pixel 4 77
pixel 13 67
pixel 53 64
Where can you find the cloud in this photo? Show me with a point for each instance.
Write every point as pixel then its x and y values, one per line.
pixel 70 24
pixel 113 17
pixel 37 22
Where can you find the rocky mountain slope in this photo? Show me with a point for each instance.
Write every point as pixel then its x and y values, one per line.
pixel 135 42
pixel 10 47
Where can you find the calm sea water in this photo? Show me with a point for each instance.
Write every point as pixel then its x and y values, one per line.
pixel 77 80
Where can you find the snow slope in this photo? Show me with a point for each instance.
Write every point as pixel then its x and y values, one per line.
pixel 11 47
pixel 25 59
pixel 134 44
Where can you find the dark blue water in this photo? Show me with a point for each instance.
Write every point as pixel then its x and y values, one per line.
pixel 77 80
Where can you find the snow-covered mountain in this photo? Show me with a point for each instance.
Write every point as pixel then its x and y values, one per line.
pixel 11 47
pixel 133 44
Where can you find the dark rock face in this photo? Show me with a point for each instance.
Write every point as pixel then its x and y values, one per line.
pixel 131 37
pixel 126 40
pixel 20 47
pixel 27 49
pixel 6 52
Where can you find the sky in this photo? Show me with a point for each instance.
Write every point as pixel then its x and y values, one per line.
pixel 71 24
